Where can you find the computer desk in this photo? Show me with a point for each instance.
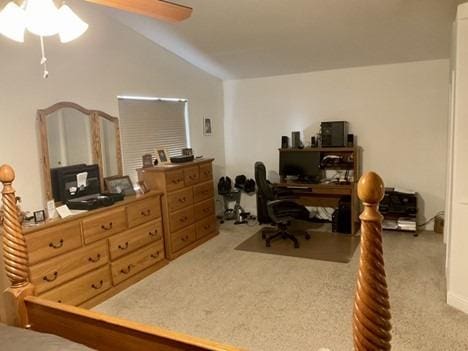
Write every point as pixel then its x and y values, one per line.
pixel 324 195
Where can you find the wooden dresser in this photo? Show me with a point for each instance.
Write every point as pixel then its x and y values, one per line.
pixel 85 259
pixel 188 205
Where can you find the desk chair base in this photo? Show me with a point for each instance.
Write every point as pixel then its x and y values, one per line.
pixel 284 234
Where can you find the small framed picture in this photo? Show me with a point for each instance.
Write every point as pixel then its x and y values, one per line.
pixel 207 126
pixel 119 184
pixel 147 160
pixel 39 216
pixel 187 152
pixel 162 156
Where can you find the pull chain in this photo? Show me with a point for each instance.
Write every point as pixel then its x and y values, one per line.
pixel 44 59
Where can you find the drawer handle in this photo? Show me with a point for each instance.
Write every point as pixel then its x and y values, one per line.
pixel 182 199
pixel 193 177
pixel 56 245
pixel 183 219
pixel 145 213
pixel 124 247
pixel 126 271
pixel 155 256
pixel 94 260
pixel 98 286
pixel 206 227
pixel 206 209
pixel 155 233
pixel 185 238
pixel 54 276
pixel 108 227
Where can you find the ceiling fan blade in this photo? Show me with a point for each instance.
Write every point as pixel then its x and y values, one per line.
pixel 159 9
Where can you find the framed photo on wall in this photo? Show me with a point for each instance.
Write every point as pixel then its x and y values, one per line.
pixel 162 156
pixel 207 126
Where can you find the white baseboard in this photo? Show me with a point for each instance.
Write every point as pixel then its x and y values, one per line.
pixel 459 302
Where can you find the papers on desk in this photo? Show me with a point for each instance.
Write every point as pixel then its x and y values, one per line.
pixel 65 212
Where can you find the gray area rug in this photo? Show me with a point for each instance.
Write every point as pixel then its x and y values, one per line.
pixel 322 245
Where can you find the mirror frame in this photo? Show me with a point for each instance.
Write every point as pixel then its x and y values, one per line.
pixel 94 116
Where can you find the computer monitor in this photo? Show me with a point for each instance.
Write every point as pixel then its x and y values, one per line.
pixel 303 164
pixel 63 178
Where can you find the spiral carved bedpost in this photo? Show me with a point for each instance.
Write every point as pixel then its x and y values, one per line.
pixel 371 317
pixel 15 255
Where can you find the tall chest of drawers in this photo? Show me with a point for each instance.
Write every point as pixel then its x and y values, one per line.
pixel 187 202
pixel 85 259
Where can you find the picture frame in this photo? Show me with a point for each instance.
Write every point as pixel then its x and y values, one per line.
pixel 147 160
pixel 119 184
pixel 207 126
pixel 187 151
pixel 162 156
pixel 39 216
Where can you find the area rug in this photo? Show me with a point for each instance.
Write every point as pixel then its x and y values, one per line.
pixel 323 245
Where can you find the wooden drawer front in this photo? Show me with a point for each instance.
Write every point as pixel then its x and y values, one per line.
pixel 205 227
pixel 174 180
pixel 204 209
pixel 103 225
pixel 182 238
pixel 126 242
pixel 191 175
pixel 53 241
pixel 81 289
pixel 181 219
pixel 143 211
pixel 180 199
pixel 203 191
pixel 136 262
pixel 206 172
pixel 56 271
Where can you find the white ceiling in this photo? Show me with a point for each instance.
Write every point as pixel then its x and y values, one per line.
pixel 235 39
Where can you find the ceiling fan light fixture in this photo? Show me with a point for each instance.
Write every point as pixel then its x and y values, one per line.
pixel 13 22
pixel 70 25
pixel 42 17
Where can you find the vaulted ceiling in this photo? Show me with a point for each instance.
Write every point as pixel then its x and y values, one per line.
pixel 235 39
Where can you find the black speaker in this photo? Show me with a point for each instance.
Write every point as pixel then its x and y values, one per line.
pixel 350 140
pixel 334 134
pixel 313 142
pixel 296 139
pixel 284 142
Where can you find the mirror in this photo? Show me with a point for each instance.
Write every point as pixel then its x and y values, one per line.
pixel 71 135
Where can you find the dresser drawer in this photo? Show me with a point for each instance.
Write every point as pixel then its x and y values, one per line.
pixel 191 175
pixel 182 238
pixel 180 199
pixel 203 191
pixel 49 274
pixel 53 241
pixel 205 227
pixel 104 224
pixel 204 209
pixel 81 289
pixel 174 180
pixel 135 262
pixel 206 172
pixel 143 211
pixel 126 242
pixel 181 218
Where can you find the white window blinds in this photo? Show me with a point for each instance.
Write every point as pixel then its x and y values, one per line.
pixel 149 124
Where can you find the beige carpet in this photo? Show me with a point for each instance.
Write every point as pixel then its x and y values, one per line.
pixel 272 302
pixel 322 245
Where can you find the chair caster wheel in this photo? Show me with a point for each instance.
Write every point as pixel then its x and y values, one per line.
pixel 307 236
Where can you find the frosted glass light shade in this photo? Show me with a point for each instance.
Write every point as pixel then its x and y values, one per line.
pixel 70 25
pixel 13 22
pixel 42 17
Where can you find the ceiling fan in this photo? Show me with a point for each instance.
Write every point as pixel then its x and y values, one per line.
pixel 159 9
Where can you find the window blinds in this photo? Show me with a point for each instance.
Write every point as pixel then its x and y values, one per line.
pixel 150 124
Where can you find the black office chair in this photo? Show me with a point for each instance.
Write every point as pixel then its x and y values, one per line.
pixel 280 211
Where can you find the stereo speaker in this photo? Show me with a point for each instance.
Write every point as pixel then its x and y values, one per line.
pixel 284 142
pixel 296 139
pixel 350 140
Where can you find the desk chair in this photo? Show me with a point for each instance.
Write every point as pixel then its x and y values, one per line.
pixel 281 212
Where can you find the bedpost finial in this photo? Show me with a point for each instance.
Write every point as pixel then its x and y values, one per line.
pixel 7 174
pixel 371 188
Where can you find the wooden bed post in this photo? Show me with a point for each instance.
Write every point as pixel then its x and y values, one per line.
pixel 14 254
pixel 371 316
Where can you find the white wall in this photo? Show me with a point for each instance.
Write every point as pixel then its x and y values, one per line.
pixel 398 112
pixel 109 60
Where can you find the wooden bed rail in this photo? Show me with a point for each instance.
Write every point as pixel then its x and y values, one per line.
pixel 371 316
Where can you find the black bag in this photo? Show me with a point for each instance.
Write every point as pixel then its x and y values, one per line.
pixel 240 181
pixel 249 186
pixel 224 185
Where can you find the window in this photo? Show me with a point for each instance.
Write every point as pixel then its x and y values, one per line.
pixel 150 123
